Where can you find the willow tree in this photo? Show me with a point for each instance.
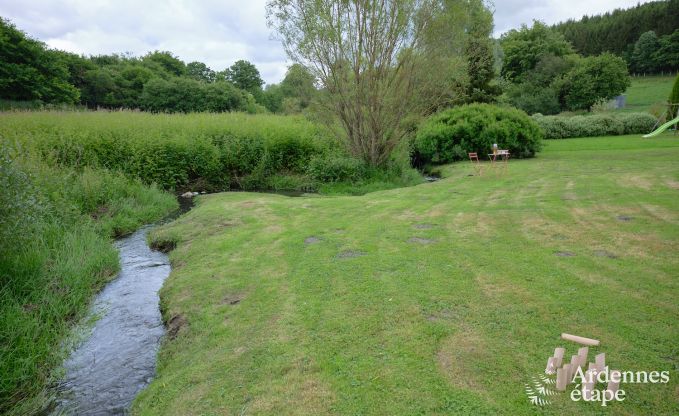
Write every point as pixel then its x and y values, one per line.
pixel 369 56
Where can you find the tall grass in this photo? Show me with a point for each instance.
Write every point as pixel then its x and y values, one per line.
pixel 210 151
pixel 56 225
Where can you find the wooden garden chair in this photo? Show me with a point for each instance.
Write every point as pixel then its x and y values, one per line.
pixel 474 159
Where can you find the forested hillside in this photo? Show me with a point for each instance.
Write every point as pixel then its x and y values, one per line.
pixel 647 35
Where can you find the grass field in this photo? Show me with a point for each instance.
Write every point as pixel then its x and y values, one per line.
pixel 443 298
pixel 648 93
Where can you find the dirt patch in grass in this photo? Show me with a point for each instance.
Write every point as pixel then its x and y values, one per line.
pixel 420 240
pixel 273 229
pixel 312 240
pixel 496 197
pixel 635 181
pixel 660 213
pixel 564 254
pixel 409 215
pixel 500 291
pixel 349 254
pixel 445 315
pixel 175 325
pixel 437 211
pixel 300 384
pixel 233 299
pixel 458 356
pixel 624 218
pixel 424 226
pixel 674 185
pixel 468 224
pixel 605 253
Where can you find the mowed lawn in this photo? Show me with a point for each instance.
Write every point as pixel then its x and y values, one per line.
pixel 443 298
pixel 648 93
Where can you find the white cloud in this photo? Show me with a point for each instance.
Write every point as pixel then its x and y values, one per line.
pixel 215 32
pixel 510 14
pixel 212 31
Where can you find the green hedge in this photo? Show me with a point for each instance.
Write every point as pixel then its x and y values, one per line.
pixel 562 127
pixel 451 134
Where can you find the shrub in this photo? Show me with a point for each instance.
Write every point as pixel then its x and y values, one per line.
pixel 637 123
pixel 562 127
pixel 534 98
pixel 451 134
pixel 596 125
pixel 336 168
pixel 289 153
pixel 673 110
pixel 553 127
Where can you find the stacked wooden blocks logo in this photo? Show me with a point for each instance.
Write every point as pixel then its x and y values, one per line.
pixel 579 369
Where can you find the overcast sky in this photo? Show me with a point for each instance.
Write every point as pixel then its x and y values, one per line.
pixel 217 32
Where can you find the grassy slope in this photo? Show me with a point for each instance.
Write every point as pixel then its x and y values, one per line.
pixel 272 325
pixel 647 93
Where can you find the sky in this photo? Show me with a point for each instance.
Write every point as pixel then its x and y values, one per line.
pixel 216 32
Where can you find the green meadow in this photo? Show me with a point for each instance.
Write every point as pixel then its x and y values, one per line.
pixel 441 298
pixel 648 94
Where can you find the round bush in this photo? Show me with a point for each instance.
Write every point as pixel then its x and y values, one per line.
pixel 451 134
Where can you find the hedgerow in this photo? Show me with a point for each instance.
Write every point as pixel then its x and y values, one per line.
pixel 562 127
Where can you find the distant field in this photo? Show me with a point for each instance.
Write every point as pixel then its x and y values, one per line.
pixel 647 93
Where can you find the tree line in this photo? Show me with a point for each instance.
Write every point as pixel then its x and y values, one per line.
pixel 646 36
pixel 158 81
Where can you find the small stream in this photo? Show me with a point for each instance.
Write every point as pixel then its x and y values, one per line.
pixel 118 359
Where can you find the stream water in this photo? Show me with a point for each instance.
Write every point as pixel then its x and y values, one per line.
pixel 118 359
